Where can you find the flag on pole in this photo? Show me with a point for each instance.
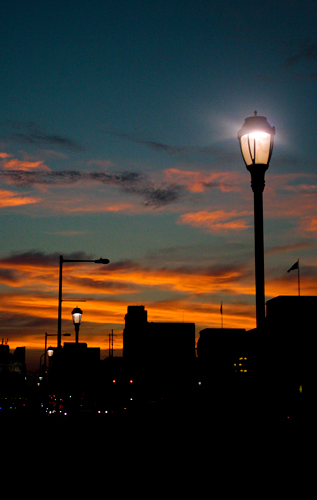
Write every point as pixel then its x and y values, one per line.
pixel 294 266
pixel 221 308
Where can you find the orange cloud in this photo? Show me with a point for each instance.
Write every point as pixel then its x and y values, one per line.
pixel 15 164
pixel 310 224
pixel 194 295
pixel 88 206
pixel 11 199
pixel 198 182
pixel 89 280
pixel 216 221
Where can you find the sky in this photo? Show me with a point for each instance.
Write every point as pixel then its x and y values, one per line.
pixel 118 139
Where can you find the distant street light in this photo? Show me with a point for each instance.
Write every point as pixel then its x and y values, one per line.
pixel 256 139
pixel 77 315
pixel 49 351
pixel 60 299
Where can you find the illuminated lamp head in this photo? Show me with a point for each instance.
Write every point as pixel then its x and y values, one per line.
pixel 256 138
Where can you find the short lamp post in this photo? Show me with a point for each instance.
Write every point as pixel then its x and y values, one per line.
pixel 50 352
pixel 60 294
pixel 77 315
pixel 256 139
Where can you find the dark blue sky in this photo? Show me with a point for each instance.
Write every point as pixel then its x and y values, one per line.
pixel 167 69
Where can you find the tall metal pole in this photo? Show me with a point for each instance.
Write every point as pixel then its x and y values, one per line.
pixel 258 183
pixel 59 323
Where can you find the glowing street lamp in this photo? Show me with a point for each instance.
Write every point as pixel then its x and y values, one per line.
pixel 77 315
pixel 256 139
pixel 50 352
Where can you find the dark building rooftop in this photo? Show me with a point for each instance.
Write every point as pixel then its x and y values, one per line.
pixel 142 339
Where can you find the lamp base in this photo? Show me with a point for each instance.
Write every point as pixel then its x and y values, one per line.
pixel 258 177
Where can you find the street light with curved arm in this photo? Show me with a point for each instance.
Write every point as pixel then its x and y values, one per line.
pixel 60 299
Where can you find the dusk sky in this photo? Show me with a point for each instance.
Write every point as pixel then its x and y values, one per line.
pixel 118 139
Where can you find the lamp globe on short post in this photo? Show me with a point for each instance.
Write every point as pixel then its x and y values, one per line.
pixel 256 139
pixel 50 352
pixel 77 314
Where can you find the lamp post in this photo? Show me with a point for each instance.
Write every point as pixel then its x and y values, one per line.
pixel 50 350
pixel 77 315
pixel 60 298
pixel 256 139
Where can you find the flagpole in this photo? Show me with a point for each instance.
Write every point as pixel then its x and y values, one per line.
pixel 296 266
pixel 221 315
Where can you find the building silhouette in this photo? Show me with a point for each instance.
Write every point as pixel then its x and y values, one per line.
pixel 224 351
pixel 156 341
pixel 290 329
pixel 12 362
pixel 135 332
pixel 224 371
pixel 13 389
pixel 159 357
pixel 72 382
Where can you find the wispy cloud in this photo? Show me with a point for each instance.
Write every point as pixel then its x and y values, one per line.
pixel 35 258
pixel 304 189
pixel 35 270
pixel 154 194
pixel 217 221
pixel 34 134
pixel 188 291
pixel 11 199
pixel 170 150
pixel 287 248
pixel 305 76
pixel 198 181
pixel 309 224
pixel 24 165
pixel 306 51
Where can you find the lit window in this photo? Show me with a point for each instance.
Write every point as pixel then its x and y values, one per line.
pixel 300 388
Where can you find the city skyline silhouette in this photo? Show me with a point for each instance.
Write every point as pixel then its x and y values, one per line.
pixel 264 374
